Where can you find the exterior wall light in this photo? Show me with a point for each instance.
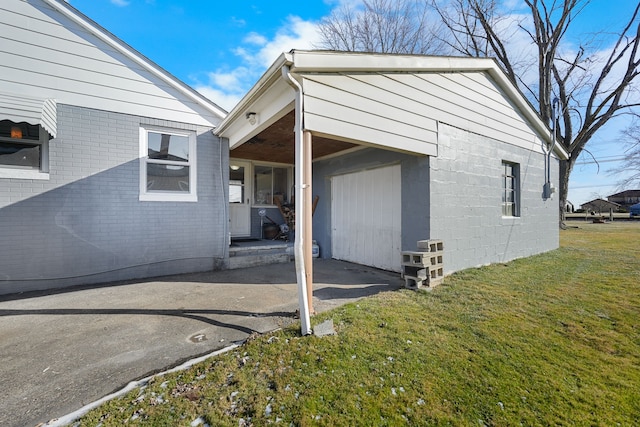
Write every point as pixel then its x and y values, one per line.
pixel 252 117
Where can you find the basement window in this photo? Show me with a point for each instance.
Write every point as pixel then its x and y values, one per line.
pixel 24 151
pixel 510 189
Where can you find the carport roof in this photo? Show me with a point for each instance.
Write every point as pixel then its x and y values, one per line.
pixel 271 138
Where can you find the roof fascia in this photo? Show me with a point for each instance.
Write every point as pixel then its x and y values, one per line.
pixel 523 104
pixel 120 46
pixel 263 84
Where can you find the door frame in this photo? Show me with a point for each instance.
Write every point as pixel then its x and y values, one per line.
pixel 240 212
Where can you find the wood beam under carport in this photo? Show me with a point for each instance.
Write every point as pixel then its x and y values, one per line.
pixel 307 140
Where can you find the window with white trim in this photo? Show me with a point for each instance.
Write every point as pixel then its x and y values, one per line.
pixel 24 150
pixel 167 165
pixel 510 189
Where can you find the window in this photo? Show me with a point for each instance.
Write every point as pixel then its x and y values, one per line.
pixel 510 189
pixel 167 165
pixel 270 182
pixel 24 150
pixel 237 183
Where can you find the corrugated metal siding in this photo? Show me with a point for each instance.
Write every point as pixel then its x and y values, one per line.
pixel 366 217
pixel 31 110
pixel 44 54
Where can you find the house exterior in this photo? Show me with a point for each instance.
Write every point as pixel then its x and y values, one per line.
pixel 108 166
pixel 625 198
pixel 112 169
pixel 399 149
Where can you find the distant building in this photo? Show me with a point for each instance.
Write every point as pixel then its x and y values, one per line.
pixel 600 206
pixel 625 198
pixel 568 207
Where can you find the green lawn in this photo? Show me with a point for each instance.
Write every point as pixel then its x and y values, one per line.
pixel 548 340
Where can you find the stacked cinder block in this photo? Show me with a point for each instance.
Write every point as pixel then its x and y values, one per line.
pixel 423 269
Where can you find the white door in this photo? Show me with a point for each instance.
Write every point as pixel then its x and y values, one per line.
pixel 366 223
pixel 239 198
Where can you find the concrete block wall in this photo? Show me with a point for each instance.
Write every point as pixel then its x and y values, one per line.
pixel 86 225
pixel 466 200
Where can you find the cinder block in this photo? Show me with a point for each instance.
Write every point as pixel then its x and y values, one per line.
pixel 431 245
pixel 415 283
pixel 434 283
pixel 414 271
pixel 436 273
pixel 416 258
pixel 436 260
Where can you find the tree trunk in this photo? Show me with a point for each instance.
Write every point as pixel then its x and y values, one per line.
pixel 565 171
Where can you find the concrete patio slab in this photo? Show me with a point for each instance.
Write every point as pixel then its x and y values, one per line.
pixel 62 350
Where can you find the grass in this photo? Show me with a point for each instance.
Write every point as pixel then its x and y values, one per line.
pixel 548 340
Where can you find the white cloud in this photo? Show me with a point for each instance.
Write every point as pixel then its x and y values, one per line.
pixel 255 39
pixel 297 34
pixel 239 22
pixel 341 3
pixel 121 3
pixel 226 86
pixel 224 99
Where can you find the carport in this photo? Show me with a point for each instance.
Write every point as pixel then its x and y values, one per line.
pixel 316 105
pixel 371 125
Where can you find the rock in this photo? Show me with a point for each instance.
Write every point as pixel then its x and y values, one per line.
pixel 325 328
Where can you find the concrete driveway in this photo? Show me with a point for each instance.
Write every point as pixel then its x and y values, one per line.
pixel 63 350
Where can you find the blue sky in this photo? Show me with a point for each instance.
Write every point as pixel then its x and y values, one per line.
pixel 222 47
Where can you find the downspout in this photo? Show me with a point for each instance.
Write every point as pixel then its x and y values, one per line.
pixel 298 247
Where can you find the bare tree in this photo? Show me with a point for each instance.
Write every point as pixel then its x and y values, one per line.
pixel 385 26
pixel 591 88
pixel 631 162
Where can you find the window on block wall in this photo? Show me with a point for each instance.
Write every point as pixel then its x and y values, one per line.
pixel 167 165
pixel 24 150
pixel 271 182
pixel 510 189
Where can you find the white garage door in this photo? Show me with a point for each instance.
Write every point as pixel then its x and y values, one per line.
pixel 365 217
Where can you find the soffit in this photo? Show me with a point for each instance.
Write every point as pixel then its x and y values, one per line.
pixel 277 144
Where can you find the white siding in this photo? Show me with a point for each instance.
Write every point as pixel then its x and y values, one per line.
pixel 366 217
pixel 400 110
pixel 44 54
pixel 337 106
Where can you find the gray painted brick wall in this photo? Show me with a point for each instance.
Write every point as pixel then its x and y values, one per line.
pixel 466 195
pixel 86 225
